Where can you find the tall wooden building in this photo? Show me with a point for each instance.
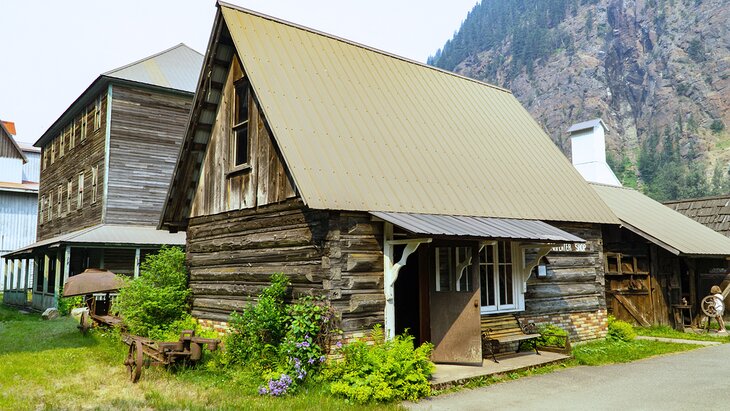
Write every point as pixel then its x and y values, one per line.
pixel 105 169
pixel 19 169
pixel 406 195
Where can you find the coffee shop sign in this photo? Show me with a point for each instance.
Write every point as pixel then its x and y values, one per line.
pixel 572 248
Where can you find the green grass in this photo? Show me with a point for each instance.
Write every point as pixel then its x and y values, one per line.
pixel 50 365
pixel 611 352
pixel 669 332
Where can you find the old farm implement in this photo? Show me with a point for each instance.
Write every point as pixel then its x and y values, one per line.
pixel 145 352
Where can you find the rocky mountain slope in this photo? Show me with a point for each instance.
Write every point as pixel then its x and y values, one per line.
pixel 656 71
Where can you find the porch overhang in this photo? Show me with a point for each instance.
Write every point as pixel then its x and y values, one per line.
pixel 478 227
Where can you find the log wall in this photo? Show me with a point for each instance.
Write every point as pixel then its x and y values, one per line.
pixel 574 281
pixel 147 129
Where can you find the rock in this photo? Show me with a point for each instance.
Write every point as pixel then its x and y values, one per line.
pixel 78 312
pixel 50 314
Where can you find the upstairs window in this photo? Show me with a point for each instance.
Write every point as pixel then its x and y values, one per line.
pixel 61 138
pixel 72 136
pixel 41 209
pixel 80 192
pixel 94 180
pixel 97 114
pixel 69 190
pixel 50 204
pixel 53 151
pixel 84 124
pixel 45 157
pixel 240 141
pixel 59 204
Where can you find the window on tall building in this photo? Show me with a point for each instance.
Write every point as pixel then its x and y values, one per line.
pixel 61 138
pixel 84 124
pixel 72 136
pixel 97 113
pixel 94 182
pixel 50 205
pixel 41 209
pixel 69 190
pixel 53 151
pixel 59 203
pixel 80 192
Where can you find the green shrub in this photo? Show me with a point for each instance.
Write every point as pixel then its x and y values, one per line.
pixel 717 126
pixel 152 303
pixel 551 336
pixel 66 304
pixel 620 330
pixel 382 371
pixel 256 332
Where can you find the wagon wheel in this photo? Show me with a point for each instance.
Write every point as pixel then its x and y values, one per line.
pixel 708 306
pixel 134 361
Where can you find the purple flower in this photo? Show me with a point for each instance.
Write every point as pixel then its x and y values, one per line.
pixel 339 344
pixel 321 359
pixel 311 361
pixel 263 390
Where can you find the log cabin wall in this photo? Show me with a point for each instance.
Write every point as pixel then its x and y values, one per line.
pixel 571 295
pixel 146 132
pixel 79 156
pixel 267 181
pixel 232 255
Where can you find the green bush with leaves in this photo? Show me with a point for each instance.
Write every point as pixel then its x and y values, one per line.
pixel 66 304
pixel 256 332
pixel 152 303
pixel 620 330
pixel 382 371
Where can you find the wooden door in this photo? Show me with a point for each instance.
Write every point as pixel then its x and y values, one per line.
pixel 455 311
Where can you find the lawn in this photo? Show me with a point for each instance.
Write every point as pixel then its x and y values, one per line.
pixel 50 365
pixel 669 332
pixel 610 352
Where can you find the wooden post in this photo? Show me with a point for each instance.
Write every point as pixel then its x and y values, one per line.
pixel 101 259
pixel 46 267
pixel 67 264
pixel 57 277
pixel 136 262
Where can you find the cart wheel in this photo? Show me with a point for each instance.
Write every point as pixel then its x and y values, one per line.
pixel 134 361
pixel 708 306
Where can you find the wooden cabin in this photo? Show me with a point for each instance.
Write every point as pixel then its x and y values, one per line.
pixel 406 195
pixel 105 168
pixel 19 168
pixel 660 263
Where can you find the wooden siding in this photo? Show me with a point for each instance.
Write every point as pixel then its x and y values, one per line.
pixel 7 148
pixel 232 255
pixel 80 158
pixel 267 180
pixel 146 131
pixel 575 278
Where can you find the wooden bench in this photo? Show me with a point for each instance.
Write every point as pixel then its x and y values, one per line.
pixel 505 329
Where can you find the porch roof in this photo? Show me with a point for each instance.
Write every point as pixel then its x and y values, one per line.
pixel 106 234
pixel 477 227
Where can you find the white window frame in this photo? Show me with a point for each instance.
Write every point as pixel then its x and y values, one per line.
pixel 518 280
pixel 69 190
pixel 61 145
pixel 50 205
pixel 59 202
pixel 455 260
pixel 84 124
pixel 41 207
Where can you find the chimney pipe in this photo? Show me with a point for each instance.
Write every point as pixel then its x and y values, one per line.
pixel 588 152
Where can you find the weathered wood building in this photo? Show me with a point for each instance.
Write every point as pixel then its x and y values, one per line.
pixel 406 195
pixel 658 264
pixel 19 169
pixel 106 167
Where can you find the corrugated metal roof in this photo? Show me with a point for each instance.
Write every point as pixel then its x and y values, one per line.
pixel 662 225
pixel 109 234
pixel 478 227
pixel 177 67
pixel 587 124
pixel 360 129
pixel 712 212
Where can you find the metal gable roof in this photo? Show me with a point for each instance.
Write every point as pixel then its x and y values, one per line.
pixel 177 68
pixel 361 129
pixel 662 225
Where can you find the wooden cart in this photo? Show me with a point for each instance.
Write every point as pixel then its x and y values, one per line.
pixel 145 352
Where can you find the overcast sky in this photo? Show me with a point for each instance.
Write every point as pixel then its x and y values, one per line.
pixel 50 51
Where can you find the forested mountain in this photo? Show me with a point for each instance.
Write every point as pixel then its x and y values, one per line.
pixel 656 71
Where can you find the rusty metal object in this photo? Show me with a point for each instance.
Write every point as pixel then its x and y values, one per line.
pixel 145 352
pixel 708 306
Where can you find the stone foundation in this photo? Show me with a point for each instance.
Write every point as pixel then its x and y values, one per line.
pixel 581 326
pixel 221 327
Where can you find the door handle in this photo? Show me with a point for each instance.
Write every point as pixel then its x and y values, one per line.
pixel 476 303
